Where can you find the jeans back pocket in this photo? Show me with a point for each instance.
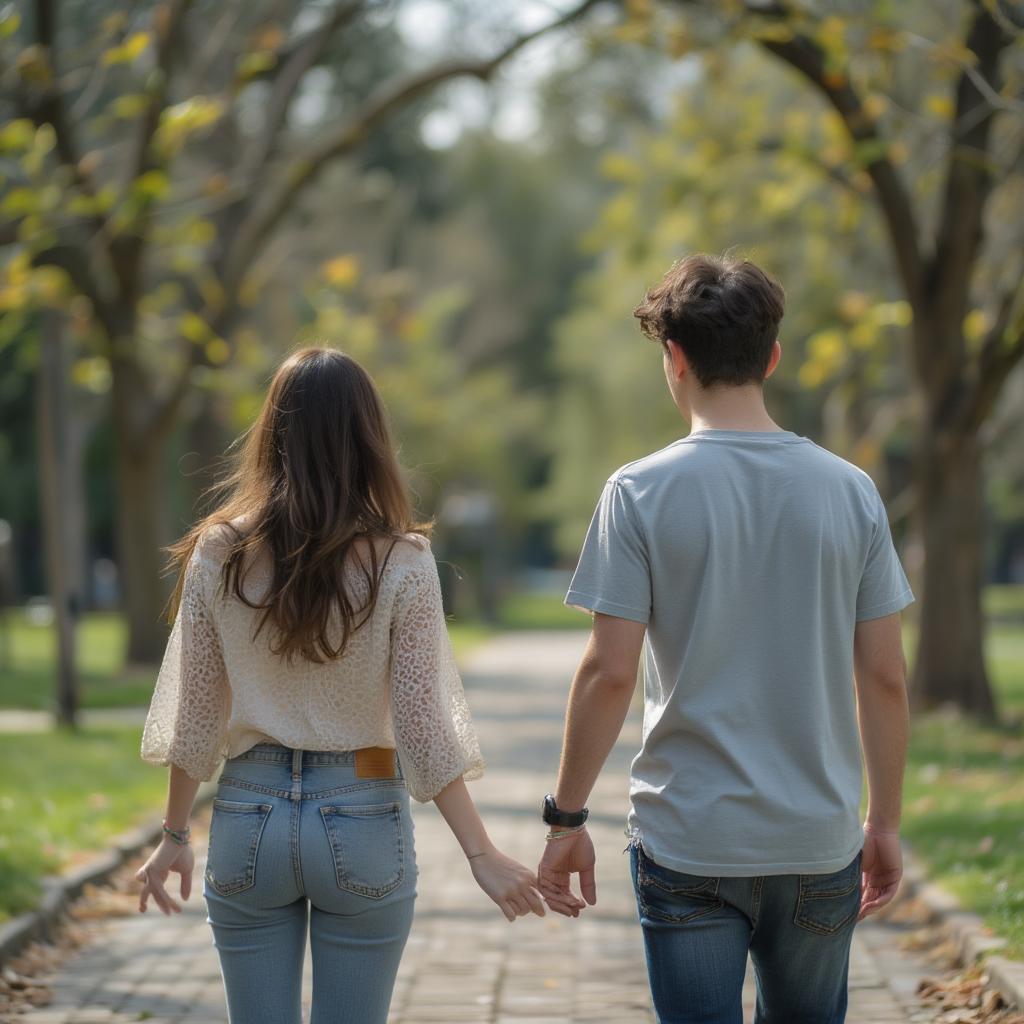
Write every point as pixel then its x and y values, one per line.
pixel 664 894
pixel 368 846
pixel 828 902
pixel 235 831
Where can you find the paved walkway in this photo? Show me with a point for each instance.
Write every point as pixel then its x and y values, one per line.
pixel 464 962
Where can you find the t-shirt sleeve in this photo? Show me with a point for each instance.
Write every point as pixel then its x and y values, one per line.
pixel 613 575
pixel 884 588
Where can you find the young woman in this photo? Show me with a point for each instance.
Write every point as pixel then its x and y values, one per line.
pixel 309 648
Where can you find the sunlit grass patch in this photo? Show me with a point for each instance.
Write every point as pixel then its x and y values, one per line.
pixel 63 795
pixel 964 798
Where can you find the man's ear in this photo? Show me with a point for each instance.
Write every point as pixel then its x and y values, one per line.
pixel 680 364
pixel 773 359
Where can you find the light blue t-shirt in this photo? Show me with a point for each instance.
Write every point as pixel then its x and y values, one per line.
pixel 750 555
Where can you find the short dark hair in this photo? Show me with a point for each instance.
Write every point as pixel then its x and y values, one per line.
pixel 723 312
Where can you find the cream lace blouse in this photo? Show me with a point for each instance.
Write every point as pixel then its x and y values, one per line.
pixel 219 691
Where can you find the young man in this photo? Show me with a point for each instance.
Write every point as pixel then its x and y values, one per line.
pixel 756 572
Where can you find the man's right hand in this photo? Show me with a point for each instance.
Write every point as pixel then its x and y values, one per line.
pixel 882 868
pixel 562 859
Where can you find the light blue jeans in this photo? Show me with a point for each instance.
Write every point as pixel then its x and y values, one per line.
pixel 297 842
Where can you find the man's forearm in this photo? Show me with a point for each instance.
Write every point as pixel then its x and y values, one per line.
pixel 884 728
pixel 598 704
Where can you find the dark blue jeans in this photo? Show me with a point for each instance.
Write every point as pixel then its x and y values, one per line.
pixel 698 930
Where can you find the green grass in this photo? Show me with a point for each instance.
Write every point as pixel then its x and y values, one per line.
pixel 1004 602
pixel 63 795
pixel 539 611
pixel 27 657
pixel 964 798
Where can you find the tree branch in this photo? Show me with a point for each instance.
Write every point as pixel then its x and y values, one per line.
pixel 167 19
pixel 834 172
pixel 969 174
pixel 265 217
pixel 805 56
pixel 306 53
pixel 49 108
pixel 1000 353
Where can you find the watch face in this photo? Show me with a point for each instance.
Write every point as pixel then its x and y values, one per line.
pixel 548 809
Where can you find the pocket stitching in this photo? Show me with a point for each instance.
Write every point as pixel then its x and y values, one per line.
pixel 806 896
pixel 715 902
pixel 392 810
pixel 708 887
pixel 248 879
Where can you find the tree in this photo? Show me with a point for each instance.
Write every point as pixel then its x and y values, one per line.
pixel 957 267
pixel 160 237
pixel 958 382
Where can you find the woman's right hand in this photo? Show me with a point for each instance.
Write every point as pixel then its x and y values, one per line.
pixel 511 885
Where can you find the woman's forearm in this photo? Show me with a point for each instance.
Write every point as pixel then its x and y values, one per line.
pixel 181 795
pixel 459 811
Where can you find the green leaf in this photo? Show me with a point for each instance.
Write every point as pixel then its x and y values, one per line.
pixel 17 135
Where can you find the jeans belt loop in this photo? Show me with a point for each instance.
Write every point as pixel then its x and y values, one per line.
pixel 296 793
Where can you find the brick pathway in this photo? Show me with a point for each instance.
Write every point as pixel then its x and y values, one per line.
pixel 464 962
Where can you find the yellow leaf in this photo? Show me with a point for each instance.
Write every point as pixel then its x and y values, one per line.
pixel 864 336
pixel 17 135
pixel 853 305
pixel 939 106
pixel 218 351
pixel 976 325
pixel 19 202
pixel 250 65
pixel 896 314
pixel 827 346
pixel 152 184
pixel 342 271
pixel 92 374
pixel 875 105
pixel 195 328
pixel 10 21
pixel 130 105
pixel 128 51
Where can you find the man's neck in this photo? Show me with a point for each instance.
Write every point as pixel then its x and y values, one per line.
pixel 736 408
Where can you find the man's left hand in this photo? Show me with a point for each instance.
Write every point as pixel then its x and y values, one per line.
pixel 562 859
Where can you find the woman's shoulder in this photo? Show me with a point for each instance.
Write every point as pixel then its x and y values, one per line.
pixel 411 557
pixel 216 540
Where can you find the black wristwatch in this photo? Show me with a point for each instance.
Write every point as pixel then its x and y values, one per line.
pixel 566 819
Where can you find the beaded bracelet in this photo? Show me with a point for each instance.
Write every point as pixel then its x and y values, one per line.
pixel 565 832
pixel 181 836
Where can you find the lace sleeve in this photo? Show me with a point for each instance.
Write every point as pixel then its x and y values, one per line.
pixel 433 728
pixel 188 715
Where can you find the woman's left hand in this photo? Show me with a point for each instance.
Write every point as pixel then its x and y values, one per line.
pixel 167 857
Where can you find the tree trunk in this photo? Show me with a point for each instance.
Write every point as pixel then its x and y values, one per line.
pixel 139 515
pixel 950 662
pixel 61 508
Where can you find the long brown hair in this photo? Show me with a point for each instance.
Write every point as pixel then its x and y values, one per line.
pixel 315 472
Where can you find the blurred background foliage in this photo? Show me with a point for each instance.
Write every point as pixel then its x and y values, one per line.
pixel 471 199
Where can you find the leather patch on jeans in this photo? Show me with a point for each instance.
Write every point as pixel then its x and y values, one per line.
pixel 375 763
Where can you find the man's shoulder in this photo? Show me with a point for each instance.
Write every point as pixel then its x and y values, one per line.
pixel 681 457
pixel 651 465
